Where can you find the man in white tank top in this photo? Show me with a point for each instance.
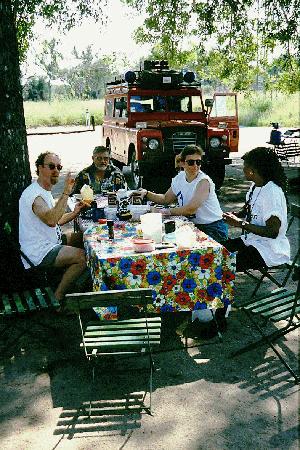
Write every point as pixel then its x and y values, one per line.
pixel 40 219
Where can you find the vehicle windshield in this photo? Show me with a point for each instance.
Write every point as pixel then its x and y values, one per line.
pixel 170 103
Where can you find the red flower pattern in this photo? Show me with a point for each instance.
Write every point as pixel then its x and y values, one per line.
pixel 206 260
pixel 183 298
pixel 138 267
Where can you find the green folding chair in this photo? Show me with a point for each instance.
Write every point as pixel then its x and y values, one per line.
pixel 116 338
pixel 280 305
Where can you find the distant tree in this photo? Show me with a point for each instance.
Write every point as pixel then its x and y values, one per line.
pixel 35 89
pixel 17 18
pixel 48 60
pixel 88 77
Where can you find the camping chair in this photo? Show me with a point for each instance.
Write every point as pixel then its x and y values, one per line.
pixel 268 272
pixel 281 304
pixel 134 336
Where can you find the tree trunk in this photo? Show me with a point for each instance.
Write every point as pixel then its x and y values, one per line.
pixel 14 160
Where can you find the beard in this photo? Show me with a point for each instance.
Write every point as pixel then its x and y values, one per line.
pixel 54 180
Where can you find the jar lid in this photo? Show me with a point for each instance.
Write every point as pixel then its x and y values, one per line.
pixel 142 241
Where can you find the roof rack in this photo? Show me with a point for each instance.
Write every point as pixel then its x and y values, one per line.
pixel 156 74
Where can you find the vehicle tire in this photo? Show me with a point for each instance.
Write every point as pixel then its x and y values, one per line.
pixel 219 175
pixel 134 172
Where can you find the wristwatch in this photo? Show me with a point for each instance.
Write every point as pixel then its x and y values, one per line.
pixel 244 223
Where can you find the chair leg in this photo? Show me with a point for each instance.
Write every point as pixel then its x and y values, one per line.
pixel 269 339
pixel 92 386
pixel 151 387
pixel 260 280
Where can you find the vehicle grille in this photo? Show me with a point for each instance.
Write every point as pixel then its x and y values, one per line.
pixel 174 142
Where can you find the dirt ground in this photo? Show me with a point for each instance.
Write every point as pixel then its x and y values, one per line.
pixel 203 398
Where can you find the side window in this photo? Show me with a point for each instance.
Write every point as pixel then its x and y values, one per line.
pixel 120 107
pixel 109 107
pixel 141 104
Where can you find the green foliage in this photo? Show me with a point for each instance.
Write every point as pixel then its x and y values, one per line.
pixel 90 75
pixel 35 89
pixel 261 109
pixel 65 112
pixel 245 35
pixel 60 12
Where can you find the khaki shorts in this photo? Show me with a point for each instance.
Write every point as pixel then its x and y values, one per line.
pixel 50 258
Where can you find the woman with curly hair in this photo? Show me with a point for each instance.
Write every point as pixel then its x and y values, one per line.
pixel 263 219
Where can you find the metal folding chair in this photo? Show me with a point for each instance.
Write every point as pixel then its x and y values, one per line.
pixel 133 336
pixel 280 305
pixel 270 272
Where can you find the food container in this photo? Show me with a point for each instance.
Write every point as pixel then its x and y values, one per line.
pixel 143 245
pixel 137 211
pixel 152 226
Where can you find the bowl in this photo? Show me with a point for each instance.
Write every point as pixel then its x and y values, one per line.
pixel 143 245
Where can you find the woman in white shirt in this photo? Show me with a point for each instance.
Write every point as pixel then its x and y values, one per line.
pixel 195 194
pixel 263 220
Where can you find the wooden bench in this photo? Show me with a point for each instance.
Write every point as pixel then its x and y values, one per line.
pixel 21 311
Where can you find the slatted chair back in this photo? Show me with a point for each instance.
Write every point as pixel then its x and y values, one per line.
pixel 121 336
pixel 117 337
pixel 270 272
pixel 28 301
pixel 280 305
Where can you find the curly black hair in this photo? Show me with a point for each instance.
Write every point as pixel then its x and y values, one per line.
pixel 266 163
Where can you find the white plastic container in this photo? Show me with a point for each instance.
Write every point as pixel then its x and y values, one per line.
pixel 152 226
pixel 186 237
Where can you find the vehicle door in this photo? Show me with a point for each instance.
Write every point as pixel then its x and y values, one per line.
pixel 224 115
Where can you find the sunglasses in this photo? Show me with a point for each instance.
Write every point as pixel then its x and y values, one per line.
pixel 53 166
pixel 191 162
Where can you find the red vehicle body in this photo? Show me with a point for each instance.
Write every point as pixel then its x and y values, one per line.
pixel 153 115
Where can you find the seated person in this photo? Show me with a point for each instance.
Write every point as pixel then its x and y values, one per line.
pixel 40 219
pixel 102 175
pixel 263 220
pixel 195 193
pixel 178 163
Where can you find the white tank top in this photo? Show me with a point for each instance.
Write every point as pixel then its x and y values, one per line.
pixel 36 238
pixel 210 211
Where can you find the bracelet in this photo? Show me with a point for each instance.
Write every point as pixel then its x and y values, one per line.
pixel 166 212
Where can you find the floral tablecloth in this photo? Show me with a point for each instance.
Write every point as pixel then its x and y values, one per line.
pixel 181 279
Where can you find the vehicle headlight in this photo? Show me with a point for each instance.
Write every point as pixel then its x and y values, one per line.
pixel 214 142
pixel 153 144
pixel 224 137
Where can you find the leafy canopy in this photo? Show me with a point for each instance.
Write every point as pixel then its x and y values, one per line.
pixel 66 14
pixel 244 34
